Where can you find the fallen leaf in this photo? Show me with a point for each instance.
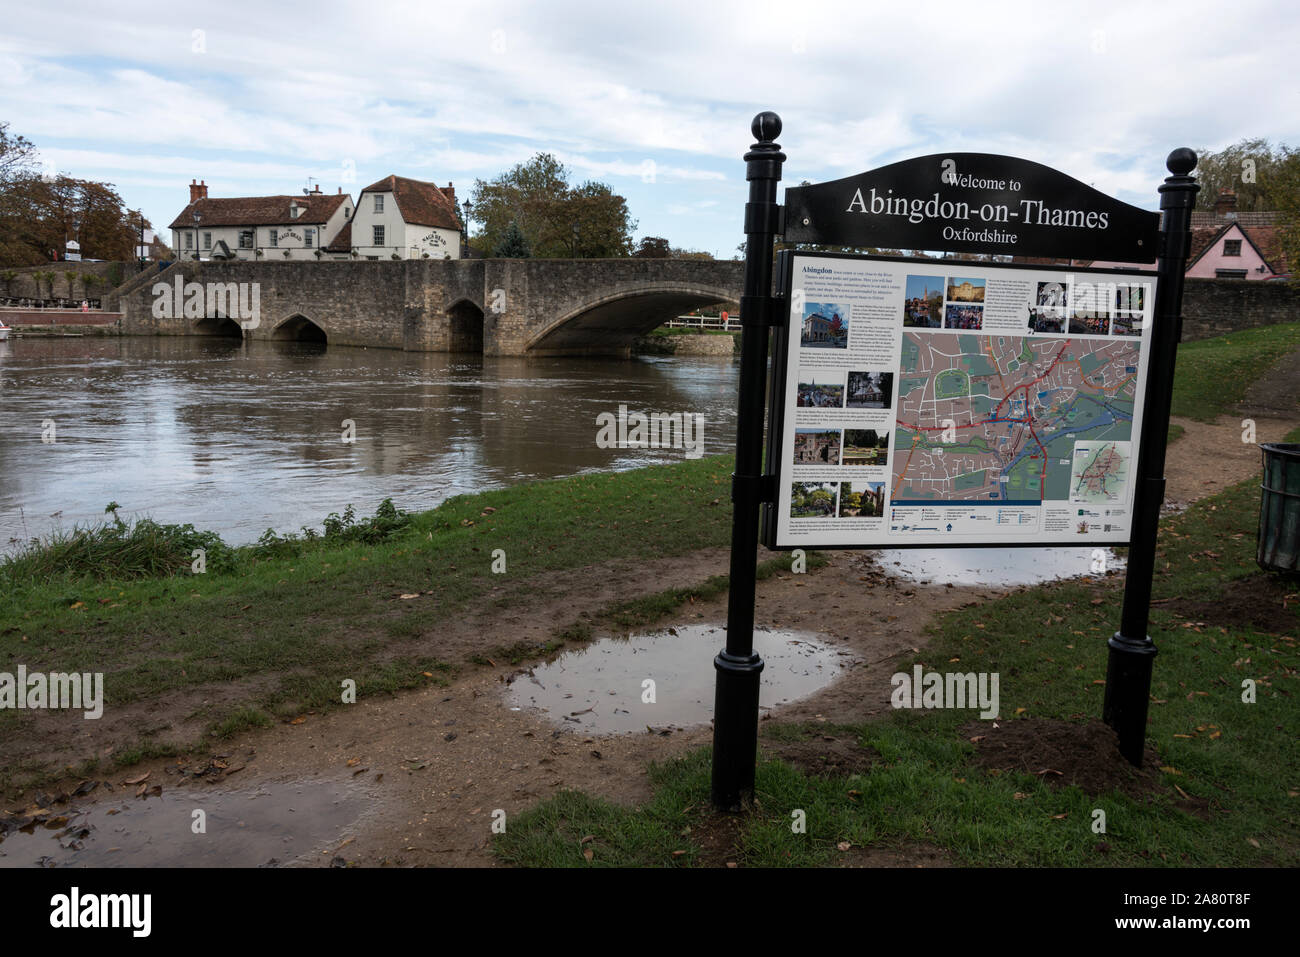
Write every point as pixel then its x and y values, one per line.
pixel 136 780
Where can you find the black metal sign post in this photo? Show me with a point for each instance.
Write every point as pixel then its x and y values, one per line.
pixel 971 202
pixel 1128 668
pixel 735 706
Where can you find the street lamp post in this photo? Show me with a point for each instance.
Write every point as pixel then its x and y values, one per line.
pixel 198 218
pixel 467 206
pixel 575 239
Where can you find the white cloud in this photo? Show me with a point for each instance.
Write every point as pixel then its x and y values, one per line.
pixel 449 92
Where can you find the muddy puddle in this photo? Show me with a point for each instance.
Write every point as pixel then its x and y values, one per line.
pixel 602 689
pixel 265 826
pixel 1001 567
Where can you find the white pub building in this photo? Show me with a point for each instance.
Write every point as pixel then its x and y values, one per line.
pixel 395 218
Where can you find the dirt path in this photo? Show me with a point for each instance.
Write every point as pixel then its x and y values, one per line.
pixel 435 764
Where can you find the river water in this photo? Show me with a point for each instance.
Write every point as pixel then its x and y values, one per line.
pixel 241 437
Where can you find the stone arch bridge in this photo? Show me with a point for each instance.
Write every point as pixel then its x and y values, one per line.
pixel 497 306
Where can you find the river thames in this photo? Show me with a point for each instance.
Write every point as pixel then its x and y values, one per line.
pixel 241 437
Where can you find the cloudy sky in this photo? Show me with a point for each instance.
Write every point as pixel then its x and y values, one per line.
pixel 653 98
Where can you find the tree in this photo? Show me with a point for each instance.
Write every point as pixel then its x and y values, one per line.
pixel 38 212
pixel 1253 168
pixel 513 245
pixel 556 220
pixel 1288 205
pixel 653 247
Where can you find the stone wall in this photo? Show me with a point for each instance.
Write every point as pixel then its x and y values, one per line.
pixel 1215 307
pixel 688 345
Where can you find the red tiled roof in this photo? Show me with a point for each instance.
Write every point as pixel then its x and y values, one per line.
pixel 1207 217
pixel 420 203
pixel 342 243
pixel 1269 245
pixel 317 208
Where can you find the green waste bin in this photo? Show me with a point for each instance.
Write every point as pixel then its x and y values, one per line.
pixel 1279 508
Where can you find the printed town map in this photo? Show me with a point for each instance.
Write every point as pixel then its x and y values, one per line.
pixel 993 419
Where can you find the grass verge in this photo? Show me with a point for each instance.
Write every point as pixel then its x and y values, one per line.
pixel 1223 791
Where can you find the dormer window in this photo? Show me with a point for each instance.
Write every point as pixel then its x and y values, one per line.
pixel 379 202
pixel 294 210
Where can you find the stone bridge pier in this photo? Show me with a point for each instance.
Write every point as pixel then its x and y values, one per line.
pixel 493 306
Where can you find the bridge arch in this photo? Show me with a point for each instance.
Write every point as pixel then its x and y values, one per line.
pixel 218 325
pixel 465 327
pixel 298 328
pixel 610 323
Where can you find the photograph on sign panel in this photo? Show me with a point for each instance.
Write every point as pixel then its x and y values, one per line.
pixel 820 390
pixel 923 302
pixel 825 326
pixel 816 446
pixel 870 390
pixel 865 447
pixel 1051 300
pixel 813 499
pixel 962 289
pixel 862 499
pixel 1130 298
pixel 963 317
pixel 1047 319
pixel 1126 326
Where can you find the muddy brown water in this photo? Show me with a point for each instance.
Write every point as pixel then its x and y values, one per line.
pixel 606 687
pixel 262 826
pixel 240 437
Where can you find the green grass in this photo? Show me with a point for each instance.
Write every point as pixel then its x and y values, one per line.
pixel 289 619
pixel 1212 375
pixel 1048 644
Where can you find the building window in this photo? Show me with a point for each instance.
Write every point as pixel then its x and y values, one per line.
pixel 245 239
pixel 1229 274
pixel 379 203
pixel 1232 247
pixel 272 238
pixel 379 236
pixel 309 238
pixel 207 240
pixel 189 240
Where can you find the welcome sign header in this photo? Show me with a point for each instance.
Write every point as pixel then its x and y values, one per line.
pixel 972 202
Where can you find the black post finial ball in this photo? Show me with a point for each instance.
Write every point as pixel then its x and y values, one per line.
pixel 766 126
pixel 1181 161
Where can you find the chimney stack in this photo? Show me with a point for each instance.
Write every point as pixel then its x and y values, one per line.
pixel 198 191
pixel 1225 206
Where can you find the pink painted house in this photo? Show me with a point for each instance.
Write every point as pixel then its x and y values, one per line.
pixel 1226 244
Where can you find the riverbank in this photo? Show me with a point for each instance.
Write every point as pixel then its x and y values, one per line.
pixel 234 677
